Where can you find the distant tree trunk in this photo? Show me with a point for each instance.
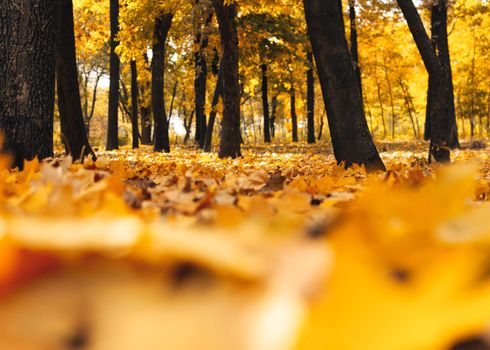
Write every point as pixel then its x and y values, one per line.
pixel 134 104
pixel 174 94
pixel 230 141
pixel 187 126
pixel 320 133
pixel 380 100
pixel 265 104
pixel 89 115
pixel 352 142
pixel 218 91
pixel 112 125
pixel 69 103
pixel 407 99
pixel 353 43
pixel 310 97
pixel 273 116
pixel 201 74
pixel 161 132
pixel 294 116
pixel 27 76
pixel 439 119
pixel 441 48
pixel 392 104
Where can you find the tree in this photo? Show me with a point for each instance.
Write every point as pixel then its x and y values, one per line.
pixel 69 104
pixel 112 128
pixel 294 116
pixel 439 117
pixel 27 76
pixel 352 142
pixel 310 97
pixel 353 43
pixel 265 104
pixel 440 44
pixel 134 103
pixel 230 140
pixel 163 23
pixel 218 91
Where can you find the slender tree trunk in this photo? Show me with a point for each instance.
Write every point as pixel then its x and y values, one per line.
pixel 353 43
pixel 439 118
pixel 134 104
pixel 69 102
pixel 322 124
pixel 112 126
pixel 273 116
pixel 294 116
pixel 161 132
pixel 392 104
pixel 310 98
pixel 27 76
pixel 441 47
pixel 89 117
pixel 380 100
pixel 352 142
pixel 174 94
pixel 230 141
pixel 218 91
pixel 407 99
pixel 265 104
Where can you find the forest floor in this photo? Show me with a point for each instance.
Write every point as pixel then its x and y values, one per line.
pixel 354 258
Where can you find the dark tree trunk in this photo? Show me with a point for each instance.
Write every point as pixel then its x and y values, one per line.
pixel 294 116
pixel 439 118
pixel 27 76
pixel 352 142
pixel 145 125
pixel 73 129
pixel 161 132
pixel 230 140
pixel 134 104
pixel 353 43
pixel 218 91
pixel 113 119
pixel 265 104
pixel 310 99
pixel 273 116
pixel 441 47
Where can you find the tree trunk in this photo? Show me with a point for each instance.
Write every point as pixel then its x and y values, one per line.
pixel 382 109
pixel 441 47
pixel 69 103
pixel 218 91
pixel 352 142
pixel 310 97
pixel 294 116
pixel 273 116
pixel 27 76
pixel 112 125
pixel 134 104
pixel 265 105
pixel 353 43
pixel 161 132
pixel 230 140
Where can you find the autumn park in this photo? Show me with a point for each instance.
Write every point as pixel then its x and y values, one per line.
pixel 244 174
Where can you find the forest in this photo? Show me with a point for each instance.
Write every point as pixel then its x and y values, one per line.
pixel 244 174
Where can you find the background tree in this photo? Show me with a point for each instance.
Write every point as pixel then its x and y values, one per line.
pixel 112 128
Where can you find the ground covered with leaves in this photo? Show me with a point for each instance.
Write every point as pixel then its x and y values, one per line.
pixel 281 248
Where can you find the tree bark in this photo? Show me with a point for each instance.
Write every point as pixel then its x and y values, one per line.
pixel 353 43
pixel 230 140
pixel 218 91
pixel 161 132
pixel 112 125
pixel 69 103
pixel 352 142
pixel 134 104
pixel 310 98
pixel 439 117
pixel 441 47
pixel 27 76
pixel 273 116
pixel 294 116
pixel 265 104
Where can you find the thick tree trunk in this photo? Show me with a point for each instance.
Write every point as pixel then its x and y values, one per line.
pixel 113 118
pixel 265 104
pixel 353 43
pixel 310 99
pixel 273 116
pixel 218 91
pixel 73 129
pixel 441 47
pixel 27 76
pixel 134 104
pixel 294 116
pixel 161 132
pixel 230 140
pixel 439 118
pixel 352 142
